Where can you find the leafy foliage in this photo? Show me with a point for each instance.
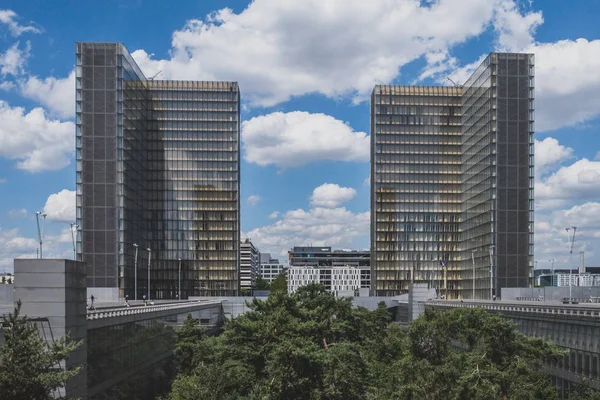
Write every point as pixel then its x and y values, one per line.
pixel 29 366
pixel 583 391
pixel 261 284
pixel 279 284
pixel 312 345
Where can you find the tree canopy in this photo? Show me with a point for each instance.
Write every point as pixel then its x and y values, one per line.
pixel 279 284
pixel 29 366
pixel 312 345
pixel 261 284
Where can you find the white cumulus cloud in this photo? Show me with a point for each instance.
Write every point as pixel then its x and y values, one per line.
pixel 549 153
pixel 317 226
pixel 298 138
pixel 9 18
pixel 60 206
pixel 567 82
pixel 281 49
pixel 274 215
pixel 14 245
pixel 56 94
pixel 13 61
pixel 515 28
pixel 331 195
pixel 35 141
pixel 579 181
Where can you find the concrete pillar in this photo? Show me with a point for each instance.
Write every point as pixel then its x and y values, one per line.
pixel 56 290
pixel 418 294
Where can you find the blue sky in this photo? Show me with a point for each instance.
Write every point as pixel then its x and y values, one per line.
pixel 305 69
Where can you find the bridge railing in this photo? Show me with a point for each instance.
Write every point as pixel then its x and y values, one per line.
pixel 122 311
pixel 574 310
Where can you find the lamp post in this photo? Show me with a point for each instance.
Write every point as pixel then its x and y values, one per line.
pixel 135 272
pixel 492 247
pixel 40 231
pixel 473 258
pixel 571 260
pixel 149 257
pixel 552 269
pixel 179 281
pixel 73 237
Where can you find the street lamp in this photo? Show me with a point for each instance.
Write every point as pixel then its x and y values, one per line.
pixel 149 257
pixel 473 258
pixel 40 231
pixel 552 270
pixel 179 281
pixel 135 272
pixel 73 237
pixel 571 259
pixel 492 247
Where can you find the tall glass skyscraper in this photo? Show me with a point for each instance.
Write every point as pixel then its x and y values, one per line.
pixel 157 168
pixel 452 182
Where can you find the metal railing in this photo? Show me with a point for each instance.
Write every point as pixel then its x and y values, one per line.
pixel 584 310
pixel 123 311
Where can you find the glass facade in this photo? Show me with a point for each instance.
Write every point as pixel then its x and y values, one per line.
pixel 415 187
pixel 513 215
pixel 452 182
pixel 157 166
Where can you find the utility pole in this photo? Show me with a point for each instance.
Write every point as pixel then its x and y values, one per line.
pixel 473 258
pixel 574 228
pixel 149 257
pixel 492 271
pixel 40 231
pixel 135 272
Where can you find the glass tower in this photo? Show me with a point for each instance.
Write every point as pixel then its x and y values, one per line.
pixel 452 182
pixel 157 167
pixel 415 187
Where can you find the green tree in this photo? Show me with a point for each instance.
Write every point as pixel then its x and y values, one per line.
pixel 29 366
pixel 312 345
pixel 583 391
pixel 189 341
pixel 261 284
pixel 279 284
pixel 3 279
pixel 470 354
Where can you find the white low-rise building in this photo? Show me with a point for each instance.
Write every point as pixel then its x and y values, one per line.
pixel 343 281
pixel 269 271
pixel 562 280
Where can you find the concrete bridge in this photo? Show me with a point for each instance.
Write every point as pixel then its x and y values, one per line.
pixel 126 352
pixel 573 327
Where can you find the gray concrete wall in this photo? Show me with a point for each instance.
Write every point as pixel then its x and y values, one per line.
pixel 7 298
pixel 103 294
pixel 56 290
pixel 7 295
pixel 418 294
